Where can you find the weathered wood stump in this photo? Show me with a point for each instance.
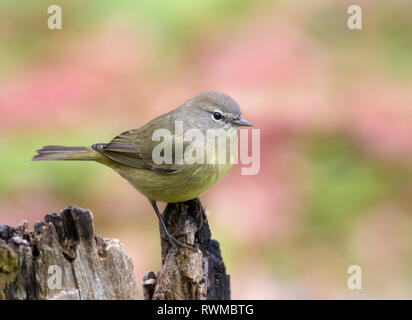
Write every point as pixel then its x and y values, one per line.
pixel 63 259
pixel 188 274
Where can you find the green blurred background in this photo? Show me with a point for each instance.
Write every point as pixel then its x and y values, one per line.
pixel 334 107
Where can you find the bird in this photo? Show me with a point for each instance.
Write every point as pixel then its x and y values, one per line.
pixel 131 154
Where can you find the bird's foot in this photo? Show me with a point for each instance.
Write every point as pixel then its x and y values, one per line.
pixel 178 244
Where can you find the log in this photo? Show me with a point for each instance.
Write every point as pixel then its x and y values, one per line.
pixel 188 274
pixel 63 259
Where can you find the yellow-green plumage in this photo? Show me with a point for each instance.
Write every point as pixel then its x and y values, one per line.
pixel 130 154
pixel 187 182
pixel 182 185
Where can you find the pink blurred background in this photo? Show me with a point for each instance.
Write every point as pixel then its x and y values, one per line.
pixel 334 107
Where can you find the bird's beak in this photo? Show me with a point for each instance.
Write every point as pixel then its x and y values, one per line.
pixel 242 122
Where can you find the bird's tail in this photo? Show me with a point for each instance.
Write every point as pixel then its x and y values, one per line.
pixel 52 153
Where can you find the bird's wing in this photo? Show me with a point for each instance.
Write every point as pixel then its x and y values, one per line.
pixel 134 148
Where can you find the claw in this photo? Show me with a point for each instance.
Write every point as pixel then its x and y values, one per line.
pixel 172 240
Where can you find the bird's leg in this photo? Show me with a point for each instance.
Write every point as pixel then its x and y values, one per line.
pixel 173 241
pixel 196 206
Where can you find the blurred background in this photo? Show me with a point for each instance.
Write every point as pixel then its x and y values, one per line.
pixel 334 107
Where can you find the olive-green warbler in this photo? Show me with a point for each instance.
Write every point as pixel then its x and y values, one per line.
pixel 131 153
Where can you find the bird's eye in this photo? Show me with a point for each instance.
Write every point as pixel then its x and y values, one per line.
pixel 217 116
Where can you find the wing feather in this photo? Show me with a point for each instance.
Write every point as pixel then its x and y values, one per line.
pixel 134 147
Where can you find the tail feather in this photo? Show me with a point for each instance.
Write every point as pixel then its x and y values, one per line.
pixel 51 153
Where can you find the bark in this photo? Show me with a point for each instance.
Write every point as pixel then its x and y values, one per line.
pixel 63 259
pixel 188 274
